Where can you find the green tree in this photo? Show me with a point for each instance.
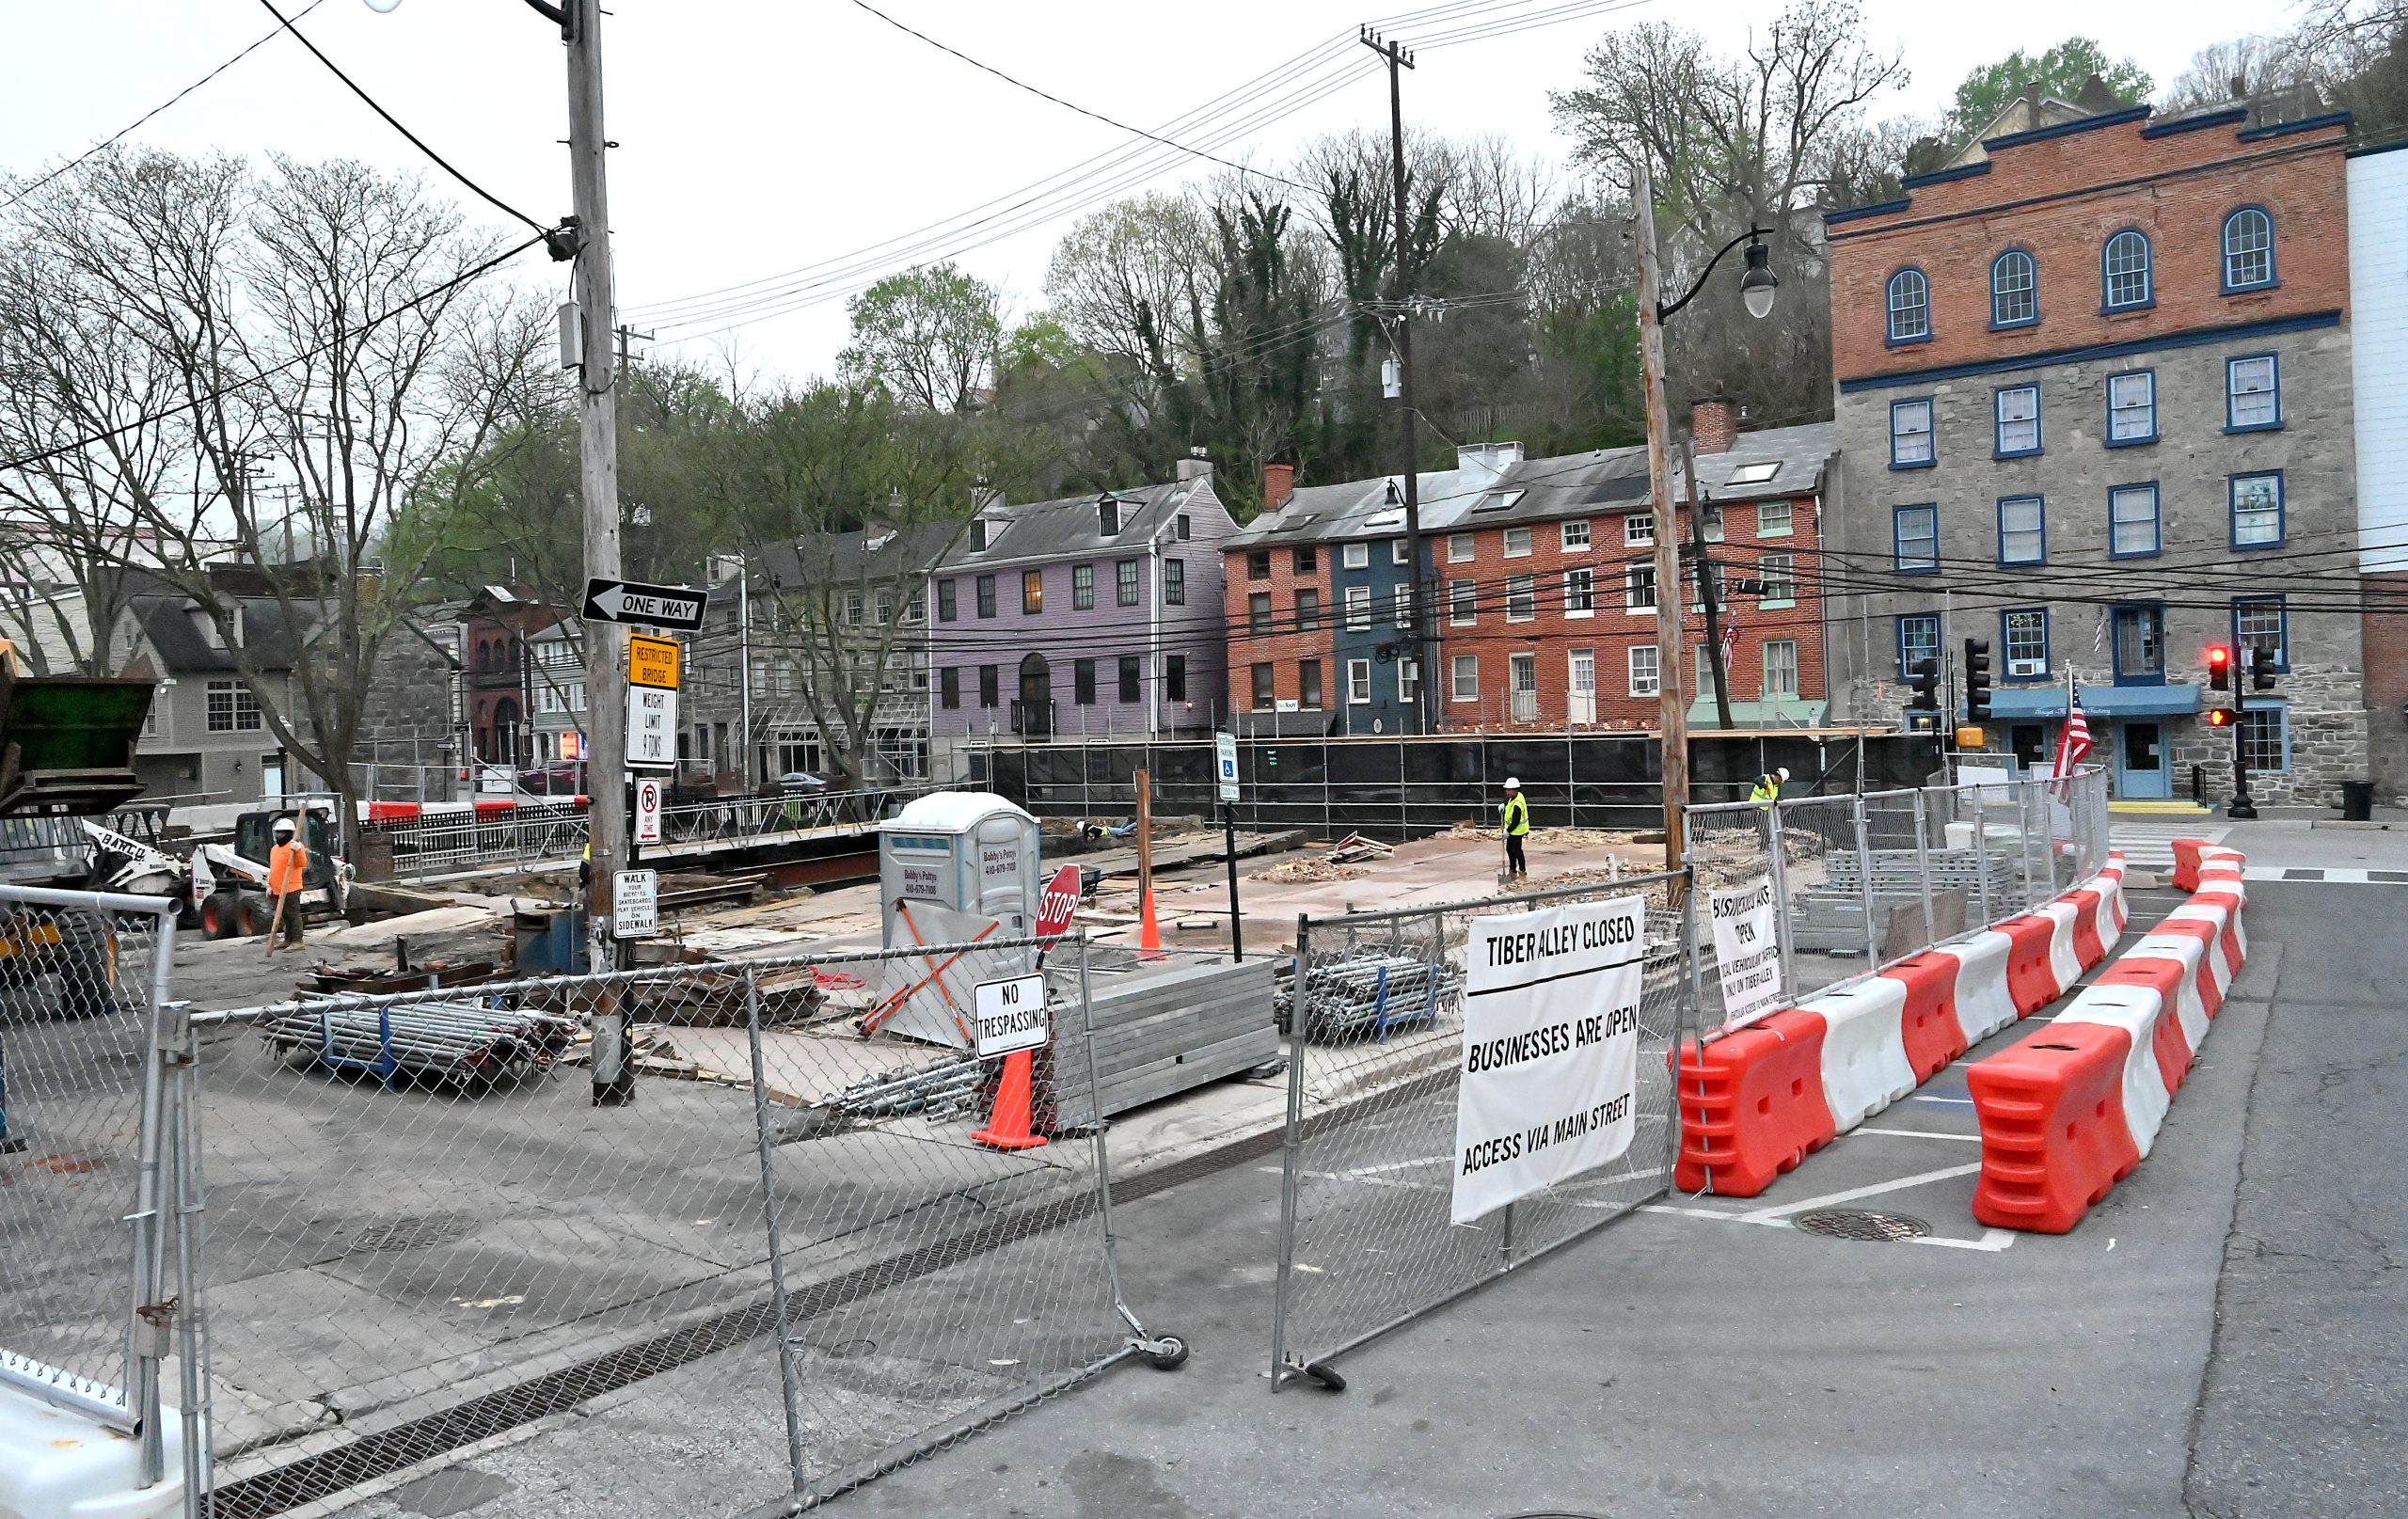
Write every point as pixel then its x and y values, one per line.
pixel 2061 71
pixel 930 336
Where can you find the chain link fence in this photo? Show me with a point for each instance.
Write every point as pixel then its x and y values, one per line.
pixel 1862 881
pixel 1375 1018
pixel 817 1243
pixel 82 1242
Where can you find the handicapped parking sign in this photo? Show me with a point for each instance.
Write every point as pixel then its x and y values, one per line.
pixel 1225 751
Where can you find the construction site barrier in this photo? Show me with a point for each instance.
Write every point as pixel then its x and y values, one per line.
pixel 1747 1115
pixel 2053 1141
pixel 2044 1163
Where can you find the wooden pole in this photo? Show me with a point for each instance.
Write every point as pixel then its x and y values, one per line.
pixel 1671 661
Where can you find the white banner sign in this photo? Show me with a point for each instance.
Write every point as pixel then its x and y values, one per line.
pixel 1551 1056
pixel 1011 1015
pixel 635 904
pixel 1747 951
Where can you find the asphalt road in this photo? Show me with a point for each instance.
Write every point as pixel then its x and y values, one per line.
pixel 2225 1336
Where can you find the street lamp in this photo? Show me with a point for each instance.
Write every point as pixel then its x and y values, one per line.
pixel 1757 287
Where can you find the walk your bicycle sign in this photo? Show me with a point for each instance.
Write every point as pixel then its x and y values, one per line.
pixel 1550 1055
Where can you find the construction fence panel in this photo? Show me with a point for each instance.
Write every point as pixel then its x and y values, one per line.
pixel 83 978
pixel 781 1268
pixel 1375 1021
pixel 1730 849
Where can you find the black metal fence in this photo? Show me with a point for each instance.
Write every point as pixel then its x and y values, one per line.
pixel 1404 788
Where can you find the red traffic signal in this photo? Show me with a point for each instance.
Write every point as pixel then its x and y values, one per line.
pixel 2219 667
pixel 2220 717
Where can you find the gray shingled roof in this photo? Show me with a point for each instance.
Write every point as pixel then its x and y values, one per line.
pixel 168 627
pixel 846 558
pixel 1372 508
pixel 1035 532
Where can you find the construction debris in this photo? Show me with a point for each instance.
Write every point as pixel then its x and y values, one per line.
pixel 1312 868
pixel 1366 997
pixel 1354 847
pixel 461 1043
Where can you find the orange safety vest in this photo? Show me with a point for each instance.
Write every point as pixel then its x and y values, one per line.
pixel 286 864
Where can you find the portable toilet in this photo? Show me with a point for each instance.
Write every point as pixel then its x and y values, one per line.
pixel 968 851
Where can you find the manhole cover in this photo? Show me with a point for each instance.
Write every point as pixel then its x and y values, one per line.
pixel 411 1233
pixel 1857 1224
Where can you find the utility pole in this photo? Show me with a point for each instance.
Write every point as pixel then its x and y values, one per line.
pixel 1426 693
pixel 606 643
pixel 1706 585
pixel 1671 658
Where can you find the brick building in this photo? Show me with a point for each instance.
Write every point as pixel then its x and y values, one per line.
pixel 1548 580
pixel 2094 397
pixel 1545 576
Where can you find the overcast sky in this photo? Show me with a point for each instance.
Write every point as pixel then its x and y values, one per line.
pixel 760 136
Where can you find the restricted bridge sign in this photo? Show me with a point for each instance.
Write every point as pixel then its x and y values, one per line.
pixel 1010 1014
pixel 654 606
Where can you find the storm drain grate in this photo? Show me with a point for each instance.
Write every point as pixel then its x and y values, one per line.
pixel 1857 1224
pixel 411 1232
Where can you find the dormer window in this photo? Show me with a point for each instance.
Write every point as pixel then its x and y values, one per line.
pixel 1107 517
pixel 978 534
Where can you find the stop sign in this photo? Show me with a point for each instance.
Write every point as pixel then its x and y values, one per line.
pixel 1061 900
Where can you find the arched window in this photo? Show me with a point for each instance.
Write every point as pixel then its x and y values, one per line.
pixel 2015 299
pixel 2125 264
pixel 1909 307
pixel 2248 249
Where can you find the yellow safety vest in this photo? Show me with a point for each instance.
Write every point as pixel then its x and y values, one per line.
pixel 1517 815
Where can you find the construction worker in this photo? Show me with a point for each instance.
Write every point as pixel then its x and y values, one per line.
pixel 288 863
pixel 1517 828
pixel 1768 788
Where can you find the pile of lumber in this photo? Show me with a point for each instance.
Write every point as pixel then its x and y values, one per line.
pixel 1159 1031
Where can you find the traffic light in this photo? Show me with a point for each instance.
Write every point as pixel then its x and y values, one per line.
pixel 2220 717
pixel 1922 678
pixel 1977 680
pixel 2219 669
pixel 2261 668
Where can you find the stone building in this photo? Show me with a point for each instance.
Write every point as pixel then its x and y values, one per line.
pixel 2094 397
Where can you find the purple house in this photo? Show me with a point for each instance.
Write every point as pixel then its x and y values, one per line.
pixel 1094 615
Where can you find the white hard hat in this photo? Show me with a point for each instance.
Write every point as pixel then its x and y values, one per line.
pixel 1782 773
pixel 1511 784
pixel 284 825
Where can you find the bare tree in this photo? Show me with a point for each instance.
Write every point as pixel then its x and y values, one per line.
pixel 321 321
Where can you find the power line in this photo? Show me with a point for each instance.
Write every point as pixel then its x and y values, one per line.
pixel 391 119
pixel 198 402
pixel 116 137
pixel 1068 106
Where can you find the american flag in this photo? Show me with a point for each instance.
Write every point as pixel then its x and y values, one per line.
pixel 2072 744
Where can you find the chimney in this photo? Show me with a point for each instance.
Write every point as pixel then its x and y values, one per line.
pixel 1489 460
pixel 1714 423
pixel 1278 484
pixel 1196 467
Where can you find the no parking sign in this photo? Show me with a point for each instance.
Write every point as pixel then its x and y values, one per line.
pixel 648 811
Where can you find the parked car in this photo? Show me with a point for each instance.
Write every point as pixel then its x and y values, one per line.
pixel 801 780
pixel 566 778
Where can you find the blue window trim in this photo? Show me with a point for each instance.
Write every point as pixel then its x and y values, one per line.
pixel 2275 426
pixel 1931 410
pixel 1998 424
pixel 2032 321
pixel 1889 324
pixel 2006 647
pixel 2282 639
pixel 1902 620
pixel 2108 307
pixel 2281 708
pixel 2116 643
pixel 2023 495
pixel 2156 520
pixel 1897 539
pixel 2273 279
pixel 2108 433
pixel 2232 508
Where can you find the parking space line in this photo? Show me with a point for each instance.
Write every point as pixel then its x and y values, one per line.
pixel 1920 1133
pixel 1875 1190
pixel 1951 1102
pixel 1991 1241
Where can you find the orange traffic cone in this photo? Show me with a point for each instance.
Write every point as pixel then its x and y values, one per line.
pixel 1149 933
pixel 1007 1126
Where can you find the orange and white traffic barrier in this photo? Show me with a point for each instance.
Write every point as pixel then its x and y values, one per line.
pixel 2054 1132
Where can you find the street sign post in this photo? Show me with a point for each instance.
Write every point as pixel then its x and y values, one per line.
pixel 647 818
pixel 1225 754
pixel 653 606
pixel 635 904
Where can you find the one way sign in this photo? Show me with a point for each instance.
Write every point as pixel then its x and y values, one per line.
pixel 654 606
